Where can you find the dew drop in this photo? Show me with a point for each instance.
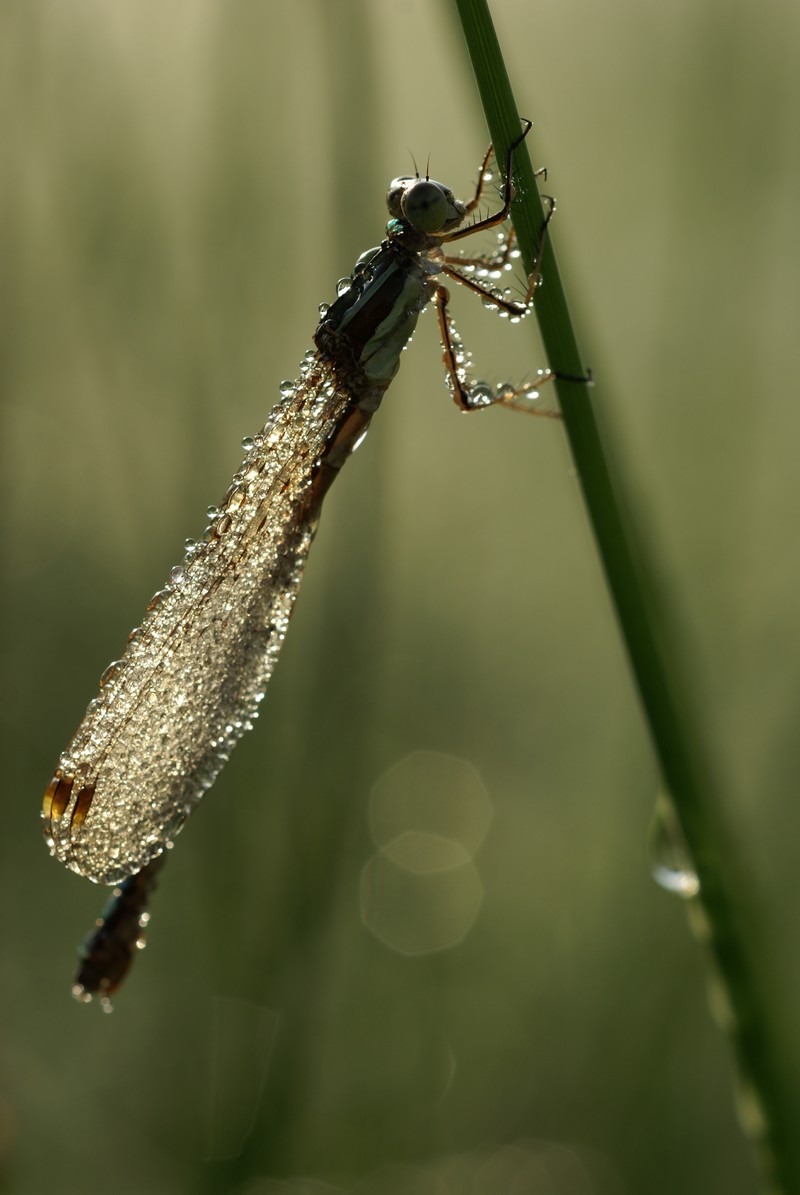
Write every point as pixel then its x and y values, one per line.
pixel 670 862
pixel 109 673
pixel 481 394
pixel 286 388
pixel 750 1110
pixel 506 390
pixel 235 497
pixel 155 600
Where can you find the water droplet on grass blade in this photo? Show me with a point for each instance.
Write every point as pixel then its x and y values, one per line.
pixel 671 864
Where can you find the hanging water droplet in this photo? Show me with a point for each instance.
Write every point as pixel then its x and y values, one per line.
pixel 481 394
pixel 286 388
pixel 505 391
pixel 670 862
pixel 248 443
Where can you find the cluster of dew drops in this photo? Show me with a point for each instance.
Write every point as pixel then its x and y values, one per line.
pixel 217 516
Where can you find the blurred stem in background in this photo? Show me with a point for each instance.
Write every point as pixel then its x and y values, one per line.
pixel 767 1100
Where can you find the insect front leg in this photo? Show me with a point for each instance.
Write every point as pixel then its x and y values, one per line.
pixel 508 194
pixel 484 176
pixel 506 239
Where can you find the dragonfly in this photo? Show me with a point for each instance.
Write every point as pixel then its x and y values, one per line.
pixel 188 686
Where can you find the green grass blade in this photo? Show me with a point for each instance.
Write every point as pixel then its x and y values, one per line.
pixel 655 654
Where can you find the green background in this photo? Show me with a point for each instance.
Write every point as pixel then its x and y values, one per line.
pixel 182 184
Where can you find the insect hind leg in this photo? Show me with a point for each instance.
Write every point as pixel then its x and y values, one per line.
pixel 473 395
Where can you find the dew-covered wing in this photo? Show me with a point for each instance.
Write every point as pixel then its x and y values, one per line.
pixel 169 713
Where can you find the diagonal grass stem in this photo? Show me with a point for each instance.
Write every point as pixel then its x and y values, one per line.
pixel 643 612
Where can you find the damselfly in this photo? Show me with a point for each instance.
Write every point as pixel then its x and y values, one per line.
pixel 190 681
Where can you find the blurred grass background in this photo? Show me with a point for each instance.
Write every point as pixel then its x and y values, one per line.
pixel 451 754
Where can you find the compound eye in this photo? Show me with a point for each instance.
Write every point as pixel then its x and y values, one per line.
pixel 425 205
pixel 394 196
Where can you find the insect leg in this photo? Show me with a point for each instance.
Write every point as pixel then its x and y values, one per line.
pixel 517 309
pixel 508 195
pixel 486 261
pixel 482 180
pixel 474 396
